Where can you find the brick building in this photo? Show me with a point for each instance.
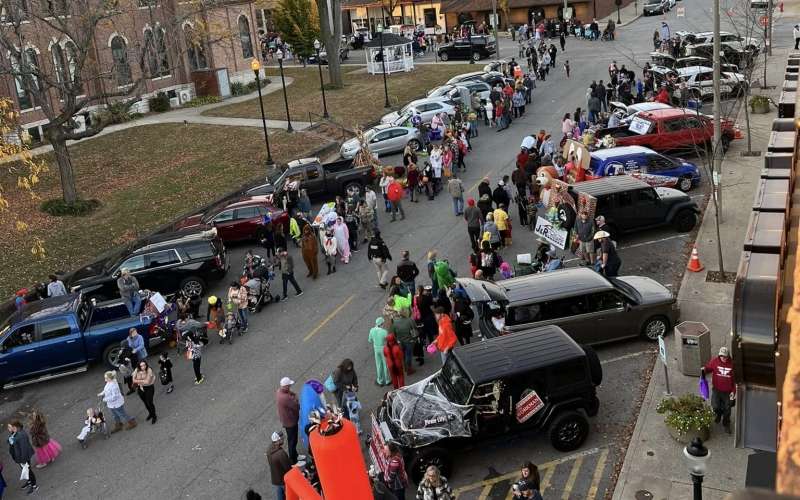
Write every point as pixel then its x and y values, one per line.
pixel 160 43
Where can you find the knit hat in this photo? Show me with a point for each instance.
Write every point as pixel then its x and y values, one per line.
pixel 471 202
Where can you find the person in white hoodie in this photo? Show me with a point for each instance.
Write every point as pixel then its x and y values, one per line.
pixel 436 164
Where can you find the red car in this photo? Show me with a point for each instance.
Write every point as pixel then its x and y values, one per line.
pixel 237 220
pixel 670 130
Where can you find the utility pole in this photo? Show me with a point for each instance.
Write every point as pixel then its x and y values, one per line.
pixel 494 26
pixel 768 39
pixel 716 150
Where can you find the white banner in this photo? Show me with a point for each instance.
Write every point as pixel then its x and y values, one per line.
pixel 553 235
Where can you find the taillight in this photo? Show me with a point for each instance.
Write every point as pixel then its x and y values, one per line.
pixel 218 261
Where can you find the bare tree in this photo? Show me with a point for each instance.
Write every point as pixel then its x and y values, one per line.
pixel 388 7
pixel 76 78
pixel 330 23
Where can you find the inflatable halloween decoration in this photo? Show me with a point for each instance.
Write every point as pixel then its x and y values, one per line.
pixel 311 395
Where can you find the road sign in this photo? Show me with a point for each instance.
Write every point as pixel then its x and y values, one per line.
pixel 681 11
pixel 662 350
pixel 763 20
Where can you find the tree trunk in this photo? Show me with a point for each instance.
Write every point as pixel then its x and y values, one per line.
pixel 64 162
pixel 331 35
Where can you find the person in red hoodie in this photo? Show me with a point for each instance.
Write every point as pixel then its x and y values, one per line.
pixel 663 95
pixel 394 361
pixel 446 339
pixel 723 388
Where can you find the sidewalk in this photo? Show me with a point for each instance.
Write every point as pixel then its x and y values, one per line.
pixel 193 115
pixel 654 466
pixel 627 15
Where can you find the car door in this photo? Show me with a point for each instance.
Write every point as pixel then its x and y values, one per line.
pixel 461 50
pixel 648 207
pixel 694 132
pixel 248 222
pixel 566 312
pixel 659 171
pixel 313 180
pixel 21 356
pixel 378 142
pixel 625 216
pixel 704 80
pixel 61 344
pixel 608 311
pixel 397 140
pixel 225 224
pixel 163 273
pixel 428 110
pixel 671 134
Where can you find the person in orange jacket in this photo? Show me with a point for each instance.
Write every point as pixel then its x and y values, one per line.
pixel 446 339
pixel 394 361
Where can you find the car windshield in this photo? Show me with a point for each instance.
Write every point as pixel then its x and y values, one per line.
pixel 406 109
pixel 454 383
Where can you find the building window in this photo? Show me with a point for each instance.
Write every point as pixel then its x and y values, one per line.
pixel 150 53
pixel 119 53
pixel 156 52
pixel 264 20
pixel 430 18
pixel 194 50
pixel 244 37
pixel 65 62
pixel 26 71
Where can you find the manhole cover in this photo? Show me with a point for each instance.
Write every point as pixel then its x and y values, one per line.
pixel 643 495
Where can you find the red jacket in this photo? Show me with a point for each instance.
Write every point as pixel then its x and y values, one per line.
pixel 446 339
pixel 663 96
pixel 721 374
pixel 393 354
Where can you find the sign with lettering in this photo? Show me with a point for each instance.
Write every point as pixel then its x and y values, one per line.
pixel 553 235
pixel 528 406
pixel 639 125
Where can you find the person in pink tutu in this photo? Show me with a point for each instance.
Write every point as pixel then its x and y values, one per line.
pixel 47 449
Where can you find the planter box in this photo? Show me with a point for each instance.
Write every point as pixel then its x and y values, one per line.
pixel 760 108
pixel 687 438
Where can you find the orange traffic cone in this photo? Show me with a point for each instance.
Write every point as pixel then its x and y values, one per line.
pixel 694 262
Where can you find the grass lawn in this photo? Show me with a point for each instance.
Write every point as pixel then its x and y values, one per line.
pixel 144 177
pixel 358 103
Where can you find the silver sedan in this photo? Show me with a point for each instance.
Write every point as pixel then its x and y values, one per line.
pixel 382 140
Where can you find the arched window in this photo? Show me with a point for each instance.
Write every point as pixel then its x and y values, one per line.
pixel 150 53
pixel 119 53
pixel 194 49
pixel 161 52
pixel 244 37
pixel 155 47
pixel 59 63
pixel 71 53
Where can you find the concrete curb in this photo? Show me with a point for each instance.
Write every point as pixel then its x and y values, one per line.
pixel 629 22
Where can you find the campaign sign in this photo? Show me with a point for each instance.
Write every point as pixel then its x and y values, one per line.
pixel 528 406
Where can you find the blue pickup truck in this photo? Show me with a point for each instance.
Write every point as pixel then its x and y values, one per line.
pixel 60 336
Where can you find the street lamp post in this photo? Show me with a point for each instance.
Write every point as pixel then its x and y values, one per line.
pixel 317 46
pixel 471 57
pixel 279 55
pixel 383 66
pixel 256 67
pixel 697 456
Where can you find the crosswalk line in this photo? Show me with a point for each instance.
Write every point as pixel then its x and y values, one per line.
pixel 598 474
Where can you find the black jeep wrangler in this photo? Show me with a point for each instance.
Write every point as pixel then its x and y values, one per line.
pixel 533 380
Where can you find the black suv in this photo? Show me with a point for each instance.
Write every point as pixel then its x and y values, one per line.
pixel 630 204
pixel 166 263
pixel 479 48
pixel 534 380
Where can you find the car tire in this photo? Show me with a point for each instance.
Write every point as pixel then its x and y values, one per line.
pixel 476 56
pixel 568 431
pixel 193 286
pixel 443 56
pixel 685 220
pixel 595 368
pixel 685 183
pixel 655 327
pixel 430 456
pixel 110 355
pixel 415 145
pixel 353 189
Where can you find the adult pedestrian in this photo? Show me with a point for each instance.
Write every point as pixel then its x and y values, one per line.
pixel 500 195
pixel 723 388
pixel 664 31
pixel 601 92
pixel 345 378
pixel 372 202
pixel 377 337
pixel 395 475
pixel 128 287
pixel 136 344
pixel 503 223
pixel 528 486
pixel 115 402
pixel 484 188
pixel 289 414
pixel 310 250
pixel 405 331
pixel 342 235
pixel 609 261
pixel 241 300
pixel 796 34
pixel 394 193
pixel 585 231
pixel 562 40
pixel 47 449
pixel 434 486
pixel 365 216
pixel 56 287
pixel 431 266
pixel 19 446
pixel 279 464
pixel 456 189
pixel 462 317
pixel 407 271
pixel 446 340
pixel 378 253
pixel 595 106
pixel 304 202
pixel 144 380
pixel 393 355
pixel 473 217
pixel 286 265
pixel 491 233
pixel 195 348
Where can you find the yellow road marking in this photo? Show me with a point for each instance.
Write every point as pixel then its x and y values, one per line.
pixel 485 493
pixel 475 186
pixel 548 476
pixel 598 474
pixel 573 475
pixel 547 467
pixel 328 318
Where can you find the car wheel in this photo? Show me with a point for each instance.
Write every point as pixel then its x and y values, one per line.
pixel 353 190
pixel 568 431
pixel 685 220
pixel 476 56
pixel 685 183
pixel 193 286
pixel 427 457
pixel 415 144
pixel 443 56
pixel 655 327
pixel 111 355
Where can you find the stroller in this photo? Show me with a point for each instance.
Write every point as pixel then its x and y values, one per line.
pixel 95 423
pixel 258 289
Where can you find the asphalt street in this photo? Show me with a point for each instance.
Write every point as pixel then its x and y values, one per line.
pixel 210 440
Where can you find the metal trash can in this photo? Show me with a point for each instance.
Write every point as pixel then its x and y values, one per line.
pixel 694 344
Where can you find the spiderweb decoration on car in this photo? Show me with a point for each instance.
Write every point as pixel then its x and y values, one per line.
pixel 425 415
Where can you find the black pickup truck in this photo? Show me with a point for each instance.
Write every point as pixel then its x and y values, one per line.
pixel 317 178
